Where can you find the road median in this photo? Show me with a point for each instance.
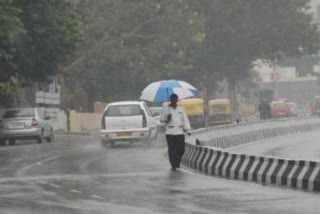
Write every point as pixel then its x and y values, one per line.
pixel 205 153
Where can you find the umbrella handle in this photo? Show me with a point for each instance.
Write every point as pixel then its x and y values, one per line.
pixel 168 99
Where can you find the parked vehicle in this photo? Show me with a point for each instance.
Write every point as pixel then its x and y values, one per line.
pixel 314 107
pixel 194 108
pixel 127 121
pixel 293 109
pixel 25 123
pixel 156 110
pixel 280 109
pixel 219 112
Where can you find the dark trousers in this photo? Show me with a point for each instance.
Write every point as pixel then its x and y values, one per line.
pixel 175 149
pixel 265 115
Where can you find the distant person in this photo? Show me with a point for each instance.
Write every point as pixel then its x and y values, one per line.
pixel 67 111
pixel 176 124
pixel 317 108
pixel 264 110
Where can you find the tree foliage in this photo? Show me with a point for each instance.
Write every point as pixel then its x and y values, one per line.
pixel 52 33
pixel 242 31
pixel 36 37
pixel 11 28
pixel 132 43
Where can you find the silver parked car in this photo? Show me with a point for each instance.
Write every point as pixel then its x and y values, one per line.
pixel 23 124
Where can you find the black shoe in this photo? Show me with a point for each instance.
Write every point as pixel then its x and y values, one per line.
pixel 173 169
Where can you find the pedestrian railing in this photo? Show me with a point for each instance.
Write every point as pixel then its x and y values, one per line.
pixel 237 134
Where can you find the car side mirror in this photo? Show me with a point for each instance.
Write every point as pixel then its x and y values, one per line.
pixel 47 117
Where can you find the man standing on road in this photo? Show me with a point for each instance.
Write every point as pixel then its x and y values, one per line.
pixel 176 124
pixel 264 110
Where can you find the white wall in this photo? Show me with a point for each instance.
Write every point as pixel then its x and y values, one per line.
pixel 58 118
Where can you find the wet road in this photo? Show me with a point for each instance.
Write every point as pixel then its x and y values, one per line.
pixel 304 146
pixel 74 175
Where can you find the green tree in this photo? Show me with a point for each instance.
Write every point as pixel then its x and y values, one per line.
pixel 36 37
pixel 10 29
pixel 129 44
pixel 132 43
pixel 52 33
pixel 238 32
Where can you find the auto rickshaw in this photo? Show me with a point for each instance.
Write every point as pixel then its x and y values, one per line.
pixel 219 112
pixel 194 108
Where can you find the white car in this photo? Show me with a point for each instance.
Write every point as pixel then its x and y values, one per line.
pixel 127 121
pixel 156 113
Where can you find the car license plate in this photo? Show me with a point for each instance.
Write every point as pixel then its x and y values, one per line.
pixel 124 134
pixel 16 125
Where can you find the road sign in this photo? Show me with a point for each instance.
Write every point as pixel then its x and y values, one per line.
pixel 47 98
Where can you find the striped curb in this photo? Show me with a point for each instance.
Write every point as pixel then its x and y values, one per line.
pixel 297 174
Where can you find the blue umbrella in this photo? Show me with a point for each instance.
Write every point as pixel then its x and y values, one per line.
pixel 160 91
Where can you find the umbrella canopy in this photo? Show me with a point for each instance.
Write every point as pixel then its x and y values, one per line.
pixel 160 91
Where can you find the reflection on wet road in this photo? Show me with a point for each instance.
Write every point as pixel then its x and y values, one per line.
pixel 74 175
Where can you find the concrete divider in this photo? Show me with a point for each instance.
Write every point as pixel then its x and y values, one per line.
pixel 298 174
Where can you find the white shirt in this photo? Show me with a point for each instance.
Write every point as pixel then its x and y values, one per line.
pixel 179 122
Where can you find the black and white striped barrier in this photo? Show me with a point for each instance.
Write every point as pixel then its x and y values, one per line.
pixel 298 174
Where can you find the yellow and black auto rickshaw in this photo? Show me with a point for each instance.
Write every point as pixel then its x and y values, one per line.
pixel 219 112
pixel 194 108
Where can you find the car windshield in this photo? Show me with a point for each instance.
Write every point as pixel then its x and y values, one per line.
pixel 123 111
pixel 19 113
pixel 155 110
pixel 219 108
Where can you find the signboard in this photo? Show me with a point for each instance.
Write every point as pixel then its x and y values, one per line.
pixel 47 98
